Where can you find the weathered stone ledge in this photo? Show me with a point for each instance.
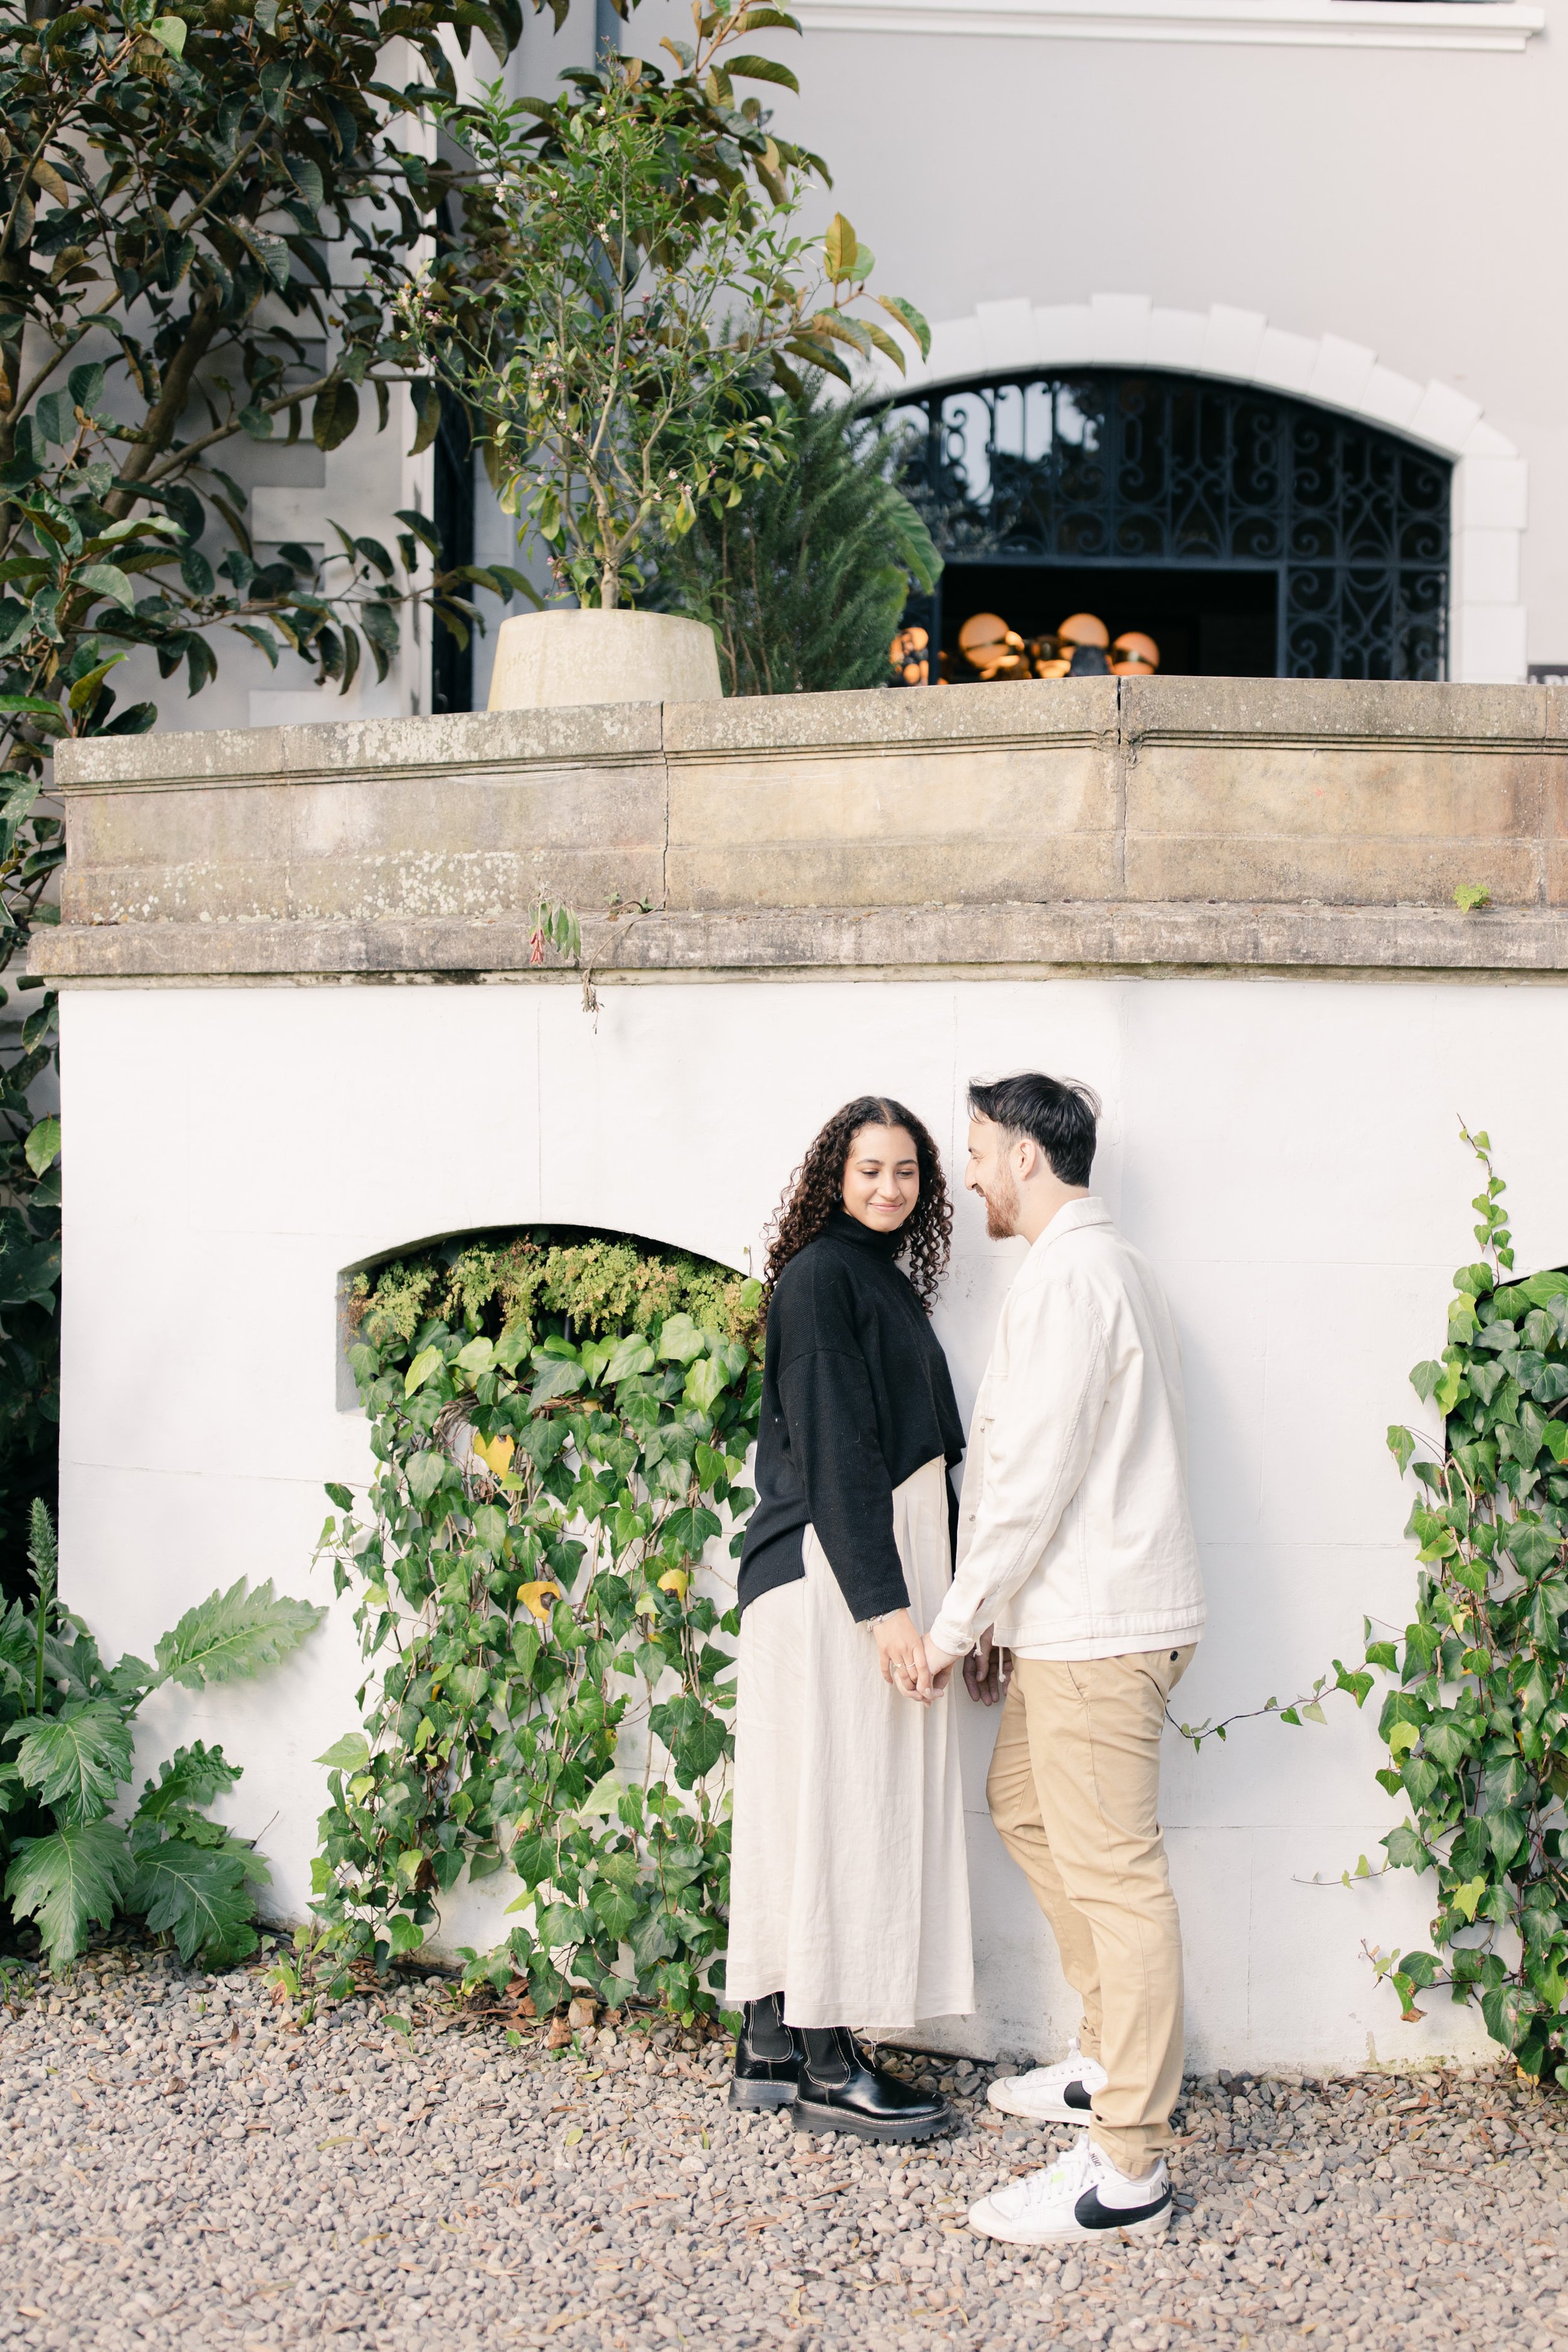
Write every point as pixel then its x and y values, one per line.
pixel 908 941
pixel 1136 824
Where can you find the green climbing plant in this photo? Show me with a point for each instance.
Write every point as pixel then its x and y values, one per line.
pixel 559 1424
pixel 1474 1717
pixel 1477 1720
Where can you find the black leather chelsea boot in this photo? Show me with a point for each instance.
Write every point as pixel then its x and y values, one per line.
pixel 839 2091
pixel 767 2057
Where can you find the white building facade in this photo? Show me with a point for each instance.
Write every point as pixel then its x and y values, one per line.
pixel 1237 333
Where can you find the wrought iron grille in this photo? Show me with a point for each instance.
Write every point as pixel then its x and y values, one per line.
pixel 1104 466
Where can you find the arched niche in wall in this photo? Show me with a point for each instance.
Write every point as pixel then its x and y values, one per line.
pixel 445 1273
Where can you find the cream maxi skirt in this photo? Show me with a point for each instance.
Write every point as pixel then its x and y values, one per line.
pixel 849 1891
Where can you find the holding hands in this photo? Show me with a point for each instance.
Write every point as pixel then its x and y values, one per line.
pixel 914 1664
pixel 902 1649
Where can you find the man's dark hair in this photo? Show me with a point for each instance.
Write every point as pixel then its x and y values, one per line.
pixel 1058 1113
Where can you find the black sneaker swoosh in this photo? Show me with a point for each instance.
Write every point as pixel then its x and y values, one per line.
pixel 1093 2215
pixel 1075 2095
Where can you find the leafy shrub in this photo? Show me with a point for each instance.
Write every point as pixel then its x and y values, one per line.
pixel 70 1717
pixel 805 578
pixel 560 1423
pixel 1477 1725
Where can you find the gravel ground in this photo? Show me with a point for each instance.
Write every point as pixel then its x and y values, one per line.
pixel 184 2160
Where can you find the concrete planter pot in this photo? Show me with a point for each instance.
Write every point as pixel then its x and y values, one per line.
pixel 544 658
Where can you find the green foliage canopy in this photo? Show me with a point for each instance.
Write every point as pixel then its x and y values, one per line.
pixel 205 214
pixel 560 1425
pixel 629 283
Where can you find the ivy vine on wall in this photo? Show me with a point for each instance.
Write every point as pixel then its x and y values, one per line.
pixel 559 1422
pixel 1477 1724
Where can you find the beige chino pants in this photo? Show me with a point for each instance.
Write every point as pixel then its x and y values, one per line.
pixel 1074 1790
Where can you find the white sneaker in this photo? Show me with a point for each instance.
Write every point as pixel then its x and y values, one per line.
pixel 1051 2095
pixel 1082 2195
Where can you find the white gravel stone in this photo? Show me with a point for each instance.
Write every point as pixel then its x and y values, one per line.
pixel 185 2162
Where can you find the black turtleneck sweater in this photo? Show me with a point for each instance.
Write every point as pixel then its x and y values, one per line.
pixel 856 1398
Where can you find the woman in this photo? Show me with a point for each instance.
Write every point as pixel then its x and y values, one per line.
pixel 849 1896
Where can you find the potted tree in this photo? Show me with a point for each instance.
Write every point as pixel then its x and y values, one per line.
pixel 628 303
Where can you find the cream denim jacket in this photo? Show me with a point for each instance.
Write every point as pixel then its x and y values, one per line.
pixel 1075 1540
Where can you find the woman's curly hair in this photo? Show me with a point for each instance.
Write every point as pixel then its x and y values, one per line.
pixel 816 1188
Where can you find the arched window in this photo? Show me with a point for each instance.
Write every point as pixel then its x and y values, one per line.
pixel 1250 533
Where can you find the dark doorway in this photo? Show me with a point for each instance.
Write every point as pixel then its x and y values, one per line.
pixel 451 664
pixel 1206 624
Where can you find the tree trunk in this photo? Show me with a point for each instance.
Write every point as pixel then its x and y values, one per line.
pixel 162 421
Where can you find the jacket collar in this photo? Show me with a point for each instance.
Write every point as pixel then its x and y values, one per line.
pixel 1072 1218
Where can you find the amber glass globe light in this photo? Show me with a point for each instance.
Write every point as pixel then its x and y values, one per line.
pixel 1134 655
pixel 1084 629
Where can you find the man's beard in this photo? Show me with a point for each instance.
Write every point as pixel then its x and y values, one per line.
pixel 1001 1208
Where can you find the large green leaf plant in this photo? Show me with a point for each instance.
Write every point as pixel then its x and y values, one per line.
pixel 74 1856
pixel 559 1424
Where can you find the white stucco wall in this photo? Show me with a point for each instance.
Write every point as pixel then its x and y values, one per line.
pixel 1284 1150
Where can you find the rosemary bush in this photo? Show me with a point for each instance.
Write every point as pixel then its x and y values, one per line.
pixel 559 1424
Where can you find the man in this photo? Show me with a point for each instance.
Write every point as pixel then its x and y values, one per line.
pixel 1076 1555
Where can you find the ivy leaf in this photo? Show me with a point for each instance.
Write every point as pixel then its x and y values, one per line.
pixel 631 1356
pixel 653 1939
pixel 617 1908
pixel 426 1473
pixel 695 1738
pixel 1509 2010
pixel 68 1882
pixel 349 1754
pixel 1400 1444
pixel 1506 1832
pixel 1406 1849
pixel 428 1361
pixel 234 1632
pixel 688 1529
pixel 1466 1897
pixel 1532 1546
pixel 199 1894
pixel 558 1379
pixel 75 1761
pixel 490 1524
pixel 679 1341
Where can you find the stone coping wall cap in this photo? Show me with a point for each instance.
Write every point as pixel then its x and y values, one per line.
pixel 470 738
pixel 1061 710
pixel 1386 710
